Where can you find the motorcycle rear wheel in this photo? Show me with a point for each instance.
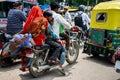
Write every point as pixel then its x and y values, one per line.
pixel 33 69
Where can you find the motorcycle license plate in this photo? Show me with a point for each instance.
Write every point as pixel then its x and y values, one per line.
pixel 117 64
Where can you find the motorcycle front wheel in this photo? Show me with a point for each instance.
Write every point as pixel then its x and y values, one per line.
pixel 73 52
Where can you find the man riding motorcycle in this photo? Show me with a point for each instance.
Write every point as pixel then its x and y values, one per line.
pixel 53 37
pixel 58 19
pixel 82 20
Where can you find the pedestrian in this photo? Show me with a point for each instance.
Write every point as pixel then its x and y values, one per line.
pixel 82 20
pixel 58 19
pixel 15 19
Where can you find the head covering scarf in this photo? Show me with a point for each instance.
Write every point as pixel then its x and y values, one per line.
pixel 34 12
pixel 36 25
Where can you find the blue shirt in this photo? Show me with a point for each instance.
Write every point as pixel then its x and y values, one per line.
pixel 52 35
pixel 15 21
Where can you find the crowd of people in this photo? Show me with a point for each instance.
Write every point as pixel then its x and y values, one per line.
pixel 42 28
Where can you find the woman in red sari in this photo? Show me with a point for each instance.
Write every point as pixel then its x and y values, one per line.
pixel 34 21
pixel 35 24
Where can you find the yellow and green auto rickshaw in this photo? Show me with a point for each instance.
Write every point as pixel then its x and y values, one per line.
pixel 104 34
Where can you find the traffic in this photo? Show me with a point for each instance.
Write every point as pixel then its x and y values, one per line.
pixel 45 39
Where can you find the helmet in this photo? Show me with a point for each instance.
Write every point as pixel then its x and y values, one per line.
pixel 81 8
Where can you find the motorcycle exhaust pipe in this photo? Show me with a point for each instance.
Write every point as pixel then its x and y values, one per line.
pixel 44 67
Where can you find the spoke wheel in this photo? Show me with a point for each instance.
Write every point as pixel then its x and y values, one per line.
pixel 34 67
pixel 73 52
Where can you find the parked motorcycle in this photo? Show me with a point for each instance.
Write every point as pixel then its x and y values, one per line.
pixel 4 42
pixel 117 60
pixel 2 39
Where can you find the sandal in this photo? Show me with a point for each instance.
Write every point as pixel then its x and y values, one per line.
pixel 24 69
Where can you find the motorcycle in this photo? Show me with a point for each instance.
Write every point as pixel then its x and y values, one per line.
pixel 78 35
pixel 40 62
pixel 4 44
pixel 117 60
pixel 2 39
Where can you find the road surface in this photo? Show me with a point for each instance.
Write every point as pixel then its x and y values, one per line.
pixel 86 68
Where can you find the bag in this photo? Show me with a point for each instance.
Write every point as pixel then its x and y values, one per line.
pixel 79 22
pixel 19 41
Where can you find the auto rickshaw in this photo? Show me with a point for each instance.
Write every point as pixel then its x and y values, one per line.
pixel 104 33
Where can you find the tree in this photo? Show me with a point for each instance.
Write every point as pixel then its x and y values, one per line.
pixel 78 2
pixel 73 2
pixel 48 1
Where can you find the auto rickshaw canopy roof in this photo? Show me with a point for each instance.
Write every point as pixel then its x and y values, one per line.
pixel 108 5
pixel 106 15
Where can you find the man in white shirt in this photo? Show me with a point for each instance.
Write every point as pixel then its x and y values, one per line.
pixel 67 15
pixel 58 19
pixel 85 19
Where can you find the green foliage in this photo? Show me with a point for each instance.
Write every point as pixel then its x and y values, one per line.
pixel 48 1
pixel 85 2
pixel 73 2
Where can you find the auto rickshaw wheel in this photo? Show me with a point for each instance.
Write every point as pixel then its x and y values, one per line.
pixel 95 55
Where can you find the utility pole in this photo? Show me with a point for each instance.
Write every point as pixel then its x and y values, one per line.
pixel 22 4
pixel 96 1
pixel 88 2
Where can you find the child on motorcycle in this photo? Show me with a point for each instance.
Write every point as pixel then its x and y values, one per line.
pixel 52 36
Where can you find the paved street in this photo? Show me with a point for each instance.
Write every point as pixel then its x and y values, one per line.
pixel 86 68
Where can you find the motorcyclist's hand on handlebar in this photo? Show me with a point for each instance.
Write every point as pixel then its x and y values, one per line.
pixel 61 41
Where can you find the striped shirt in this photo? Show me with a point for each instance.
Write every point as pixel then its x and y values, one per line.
pixel 15 21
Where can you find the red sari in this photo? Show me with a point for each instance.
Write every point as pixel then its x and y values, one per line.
pixel 36 24
pixel 35 20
